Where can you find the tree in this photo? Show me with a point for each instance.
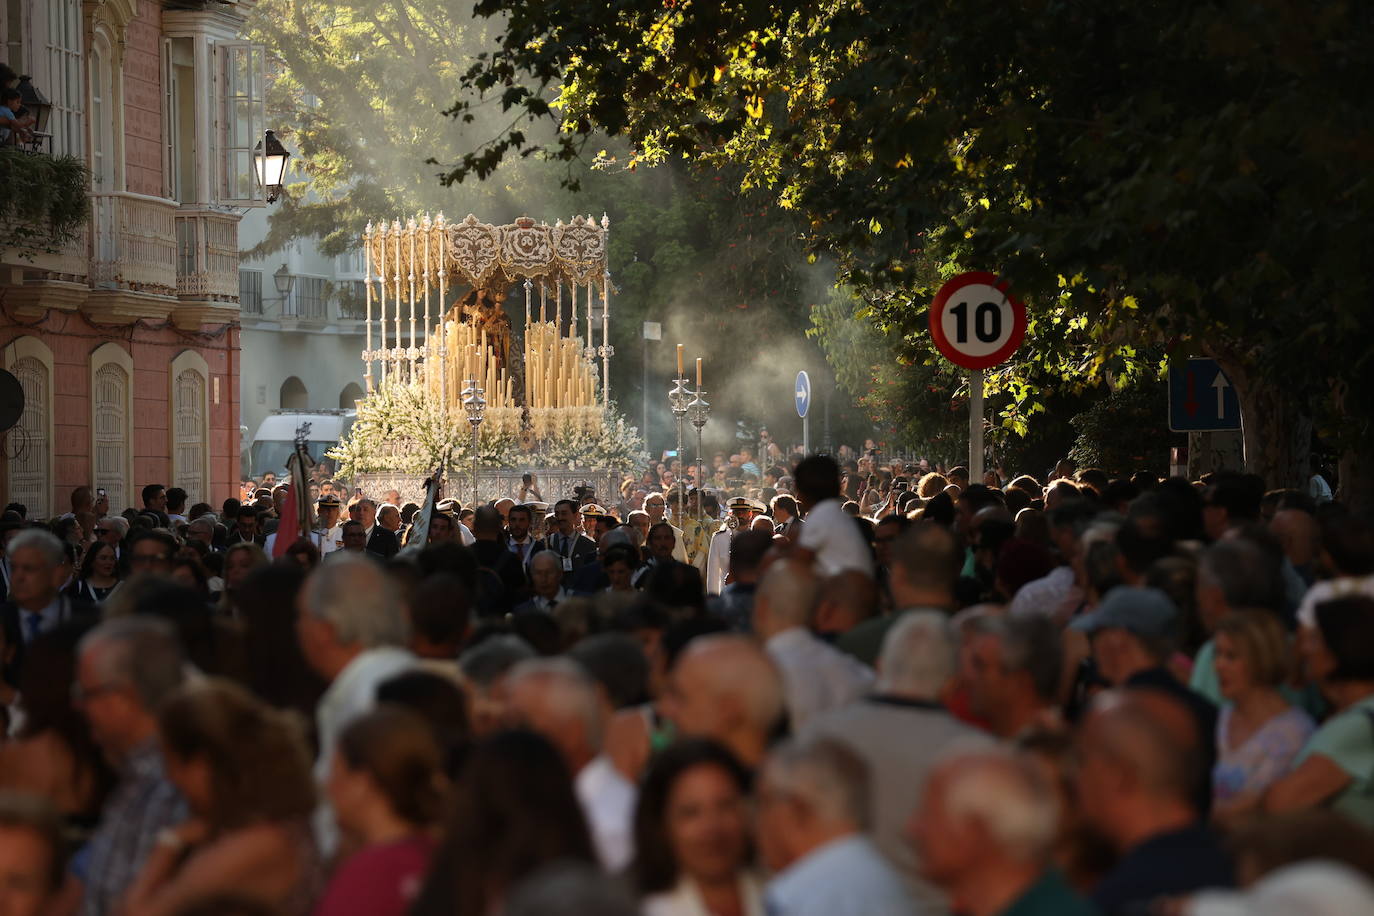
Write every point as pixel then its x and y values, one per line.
pixel 1189 174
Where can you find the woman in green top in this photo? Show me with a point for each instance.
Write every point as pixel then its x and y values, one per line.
pixel 1336 768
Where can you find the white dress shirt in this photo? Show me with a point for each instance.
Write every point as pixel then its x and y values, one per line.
pixel 845 877
pixel 718 561
pixel 685 899
pixel 816 677
pixel 608 801
pixel 833 536
pixel 353 692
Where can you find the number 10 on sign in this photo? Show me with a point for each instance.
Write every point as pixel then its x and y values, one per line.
pixel 976 323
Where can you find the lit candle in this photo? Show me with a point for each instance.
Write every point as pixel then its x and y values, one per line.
pixel 698 371
pixel 679 360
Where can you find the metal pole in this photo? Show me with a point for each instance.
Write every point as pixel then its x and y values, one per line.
pixel 806 433
pixel 474 467
pixel 681 481
pixel 644 394
pixel 975 426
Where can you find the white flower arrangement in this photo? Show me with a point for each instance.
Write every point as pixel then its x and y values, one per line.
pixel 402 428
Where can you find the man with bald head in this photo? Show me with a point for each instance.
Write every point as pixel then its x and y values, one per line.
pixel 816 677
pixel 1136 784
pixel 727 689
pixel 558 699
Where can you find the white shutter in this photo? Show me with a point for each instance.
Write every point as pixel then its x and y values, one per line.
pixel 31 439
pixel 190 434
pixel 110 400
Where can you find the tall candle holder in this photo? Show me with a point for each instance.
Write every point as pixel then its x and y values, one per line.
pixel 679 398
pixel 475 405
pixel 699 411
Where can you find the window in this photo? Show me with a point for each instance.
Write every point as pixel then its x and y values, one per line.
pixel 242 79
pixel 294 394
pixel 190 429
pixel 64 86
pixel 250 291
pixel 111 417
pixel 307 299
pixel 29 444
pixel 350 264
pixel 352 299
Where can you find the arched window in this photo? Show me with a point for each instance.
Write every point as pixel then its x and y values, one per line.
pixel 28 446
pixel 294 394
pixel 112 372
pixel 190 410
pixel 349 397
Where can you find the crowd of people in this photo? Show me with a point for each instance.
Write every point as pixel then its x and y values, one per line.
pixel 823 687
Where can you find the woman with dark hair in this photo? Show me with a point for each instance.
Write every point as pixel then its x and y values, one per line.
pixel 513 811
pixel 53 754
pixel 1336 767
pixel 692 835
pixel 188 570
pixel 98 576
pixel 244 771
pixel 274 667
pixel 386 787
pixel 239 560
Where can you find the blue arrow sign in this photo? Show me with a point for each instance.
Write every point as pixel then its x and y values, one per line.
pixel 802 393
pixel 1202 398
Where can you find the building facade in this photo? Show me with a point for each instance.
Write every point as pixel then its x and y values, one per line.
pixel 302 337
pixel 126 339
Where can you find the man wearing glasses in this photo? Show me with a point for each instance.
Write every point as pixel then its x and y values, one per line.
pixel 151 552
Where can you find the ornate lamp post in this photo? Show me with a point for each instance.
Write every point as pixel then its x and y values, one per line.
pixel 679 398
pixel 699 412
pixel 476 407
pixel 270 158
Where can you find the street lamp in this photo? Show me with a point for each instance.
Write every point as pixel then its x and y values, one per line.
pixel 284 279
pixel 270 157
pixel 679 398
pixel 38 105
pixel 476 407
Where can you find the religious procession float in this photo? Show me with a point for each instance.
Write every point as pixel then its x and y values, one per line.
pixel 451 385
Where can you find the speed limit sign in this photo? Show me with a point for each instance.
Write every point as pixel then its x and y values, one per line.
pixel 975 322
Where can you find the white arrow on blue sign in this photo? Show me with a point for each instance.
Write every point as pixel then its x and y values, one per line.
pixel 802 393
pixel 1201 398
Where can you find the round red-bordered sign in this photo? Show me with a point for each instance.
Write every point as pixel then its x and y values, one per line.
pixel 975 321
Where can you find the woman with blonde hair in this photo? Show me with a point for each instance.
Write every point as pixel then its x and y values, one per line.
pixel 1258 731
pixel 244 771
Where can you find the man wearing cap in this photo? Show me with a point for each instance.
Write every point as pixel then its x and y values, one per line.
pixel 328 533
pixel 742 511
pixel 452 508
pixel 573 548
pixel 1132 634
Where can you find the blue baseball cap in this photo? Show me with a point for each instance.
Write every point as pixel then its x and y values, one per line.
pixel 1143 611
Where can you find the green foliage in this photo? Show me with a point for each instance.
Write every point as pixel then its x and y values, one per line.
pixel 1126 431
pixel 1193 175
pixel 46 201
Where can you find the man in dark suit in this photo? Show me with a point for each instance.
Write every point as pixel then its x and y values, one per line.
pixel 492 552
pixel 380 542
pixel 36 604
pixel 573 548
pixel 246 528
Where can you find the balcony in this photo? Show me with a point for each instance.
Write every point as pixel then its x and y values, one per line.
pixel 134 245
pixel 207 256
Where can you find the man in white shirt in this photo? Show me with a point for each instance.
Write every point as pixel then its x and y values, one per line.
pixel 558 699
pixel 812 811
pixel 351 629
pixel 816 677
pixel 830 541
pixel 742 512
pixel 327 532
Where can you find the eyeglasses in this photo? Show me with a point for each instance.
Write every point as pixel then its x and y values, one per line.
pixel 149 558
pixel 80 694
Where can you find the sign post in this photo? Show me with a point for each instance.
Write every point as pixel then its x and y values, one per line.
pixel 801 391
pixel 976 323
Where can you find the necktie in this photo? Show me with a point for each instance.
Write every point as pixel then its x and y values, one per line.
pixel 521 549
pixel 33 622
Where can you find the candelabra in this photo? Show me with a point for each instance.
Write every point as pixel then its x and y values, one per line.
pixel 680 398
pixel 699 411
pixel 476 407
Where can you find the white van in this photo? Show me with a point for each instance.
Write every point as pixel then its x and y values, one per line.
pixel 276 438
